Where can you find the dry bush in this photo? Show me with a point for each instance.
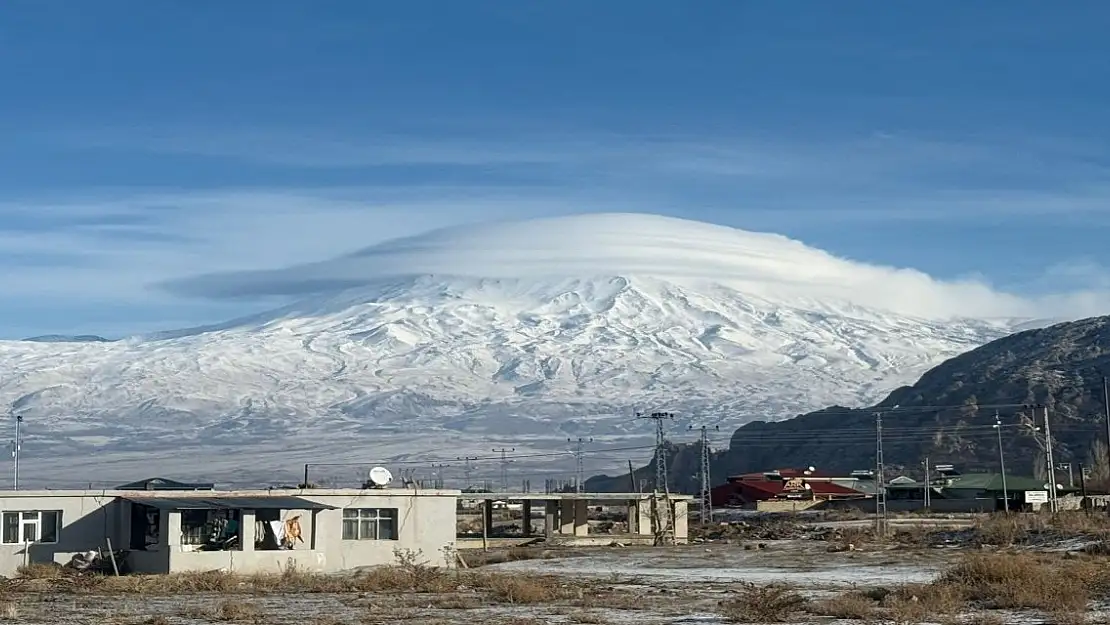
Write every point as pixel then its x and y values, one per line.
pixel 1008 529
pixel 238 611
pixel 157 620
pixel 926 599
pixel 852 605
pixel 1079 521
pixel 773 603
pixel 40 570
pixel 1022 581
pixel 525 589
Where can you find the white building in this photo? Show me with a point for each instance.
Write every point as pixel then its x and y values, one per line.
pixel 239 531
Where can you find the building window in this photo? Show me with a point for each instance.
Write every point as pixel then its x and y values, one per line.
pixel 370 524
pixel 31 527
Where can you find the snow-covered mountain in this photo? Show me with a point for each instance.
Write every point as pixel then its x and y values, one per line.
pixel 523 333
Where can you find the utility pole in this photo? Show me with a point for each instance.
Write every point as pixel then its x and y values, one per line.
pixel 1002 463
pixel 17 446
pixel 468 469
pixel 703 474
pixel 660 447
pixel 579 470
pixel 1106 405
pixel 1053 504
pixel 928 483
pixel 504 467
pixel 880 482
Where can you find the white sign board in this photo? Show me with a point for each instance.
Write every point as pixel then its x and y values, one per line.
pixel 1036 496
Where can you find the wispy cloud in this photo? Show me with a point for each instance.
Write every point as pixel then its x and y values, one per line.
pixel 870 178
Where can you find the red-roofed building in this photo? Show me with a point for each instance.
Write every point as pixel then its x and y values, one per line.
pixel 786 485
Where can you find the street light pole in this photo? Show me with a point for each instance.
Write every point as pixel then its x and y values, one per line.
pixel 17 446
pixel 1002 464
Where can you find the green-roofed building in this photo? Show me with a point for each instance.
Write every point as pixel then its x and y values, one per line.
pixel 982 487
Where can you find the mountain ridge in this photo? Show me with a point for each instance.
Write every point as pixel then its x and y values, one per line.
pixel 948 416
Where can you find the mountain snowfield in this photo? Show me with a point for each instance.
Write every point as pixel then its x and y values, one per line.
pixel 520 334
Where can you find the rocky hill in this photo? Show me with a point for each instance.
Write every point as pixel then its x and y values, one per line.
pixel 947 416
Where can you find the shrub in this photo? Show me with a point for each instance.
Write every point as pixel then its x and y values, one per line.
pixel 853 605
pixel 773 603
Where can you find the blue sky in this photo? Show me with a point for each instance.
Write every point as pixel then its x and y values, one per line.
pixel 144 141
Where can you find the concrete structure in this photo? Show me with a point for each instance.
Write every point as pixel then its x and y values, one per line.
pixel 236 531
pixel 566 515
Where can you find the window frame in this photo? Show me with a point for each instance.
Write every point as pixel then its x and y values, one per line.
pixel 355 519
pixel 22 522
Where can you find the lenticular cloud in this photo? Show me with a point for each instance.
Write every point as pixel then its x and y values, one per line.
pixel 629 244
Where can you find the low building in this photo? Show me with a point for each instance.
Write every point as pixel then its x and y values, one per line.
pixel 322 530
pixel 973 492
pixel 784 490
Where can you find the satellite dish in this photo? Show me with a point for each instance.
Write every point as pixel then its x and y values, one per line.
pixel 380 476
pixel 808 487
pixel 811 469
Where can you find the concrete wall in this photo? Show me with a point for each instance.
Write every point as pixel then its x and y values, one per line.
pixel 777 505
pixel 88 519
pixel 425 523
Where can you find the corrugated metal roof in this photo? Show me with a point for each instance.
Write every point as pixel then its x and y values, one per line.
pixel 281 502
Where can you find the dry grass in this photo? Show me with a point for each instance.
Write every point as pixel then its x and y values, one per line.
pixel 237 611
pixel 588 618
pixel 8 611
pixel 773 603
pixel 1011 529
pixel 853 605
pixel 1018 581
pixel 1056 585
pixel 521 589
pixel 39 570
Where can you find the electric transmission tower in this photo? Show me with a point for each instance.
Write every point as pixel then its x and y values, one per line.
pixel 468 469
pixel 504 467
pixel 880 482
pixel 703 475
pixel 579 471
pixel 660 447
pixel 438 474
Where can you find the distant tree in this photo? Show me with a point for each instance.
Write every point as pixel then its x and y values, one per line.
pixel 1098 461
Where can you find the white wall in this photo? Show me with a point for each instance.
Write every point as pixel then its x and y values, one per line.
pixel 88 518
pixel 426 523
